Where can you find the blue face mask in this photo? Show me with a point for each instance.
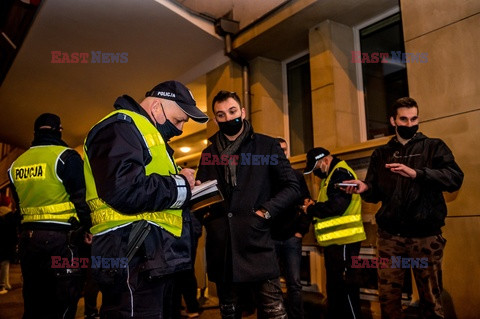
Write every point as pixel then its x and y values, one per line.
pixel 167 129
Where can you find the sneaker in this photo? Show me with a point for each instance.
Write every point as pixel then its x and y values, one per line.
pixel 187 314
pixel 3 291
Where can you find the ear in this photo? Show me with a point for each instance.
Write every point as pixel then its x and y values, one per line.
pixel 154 106
pixel 392 121
pixel 243 113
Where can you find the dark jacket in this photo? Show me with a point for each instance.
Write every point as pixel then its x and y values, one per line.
pixel 338 200
pixel 239 246
pixel 412 207
pixel 293 219
pixel 118 155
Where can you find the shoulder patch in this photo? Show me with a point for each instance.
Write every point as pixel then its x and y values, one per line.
pixel 124 117
pixel 344 171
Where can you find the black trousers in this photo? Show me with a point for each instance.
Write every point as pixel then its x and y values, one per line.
pixel 48 292
pixel 135 295
pixel 343 291
pixel 267 296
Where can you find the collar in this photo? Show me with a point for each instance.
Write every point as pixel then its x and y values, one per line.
pixel 126 102
pixel 333 163
pixel 46 138
pixel 417 137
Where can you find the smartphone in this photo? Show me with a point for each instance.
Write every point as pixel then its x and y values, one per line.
pixel 338 185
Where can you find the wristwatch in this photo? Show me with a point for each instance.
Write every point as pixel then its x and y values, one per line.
pixel 266 213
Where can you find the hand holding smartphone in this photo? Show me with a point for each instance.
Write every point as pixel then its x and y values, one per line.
pixel 338 185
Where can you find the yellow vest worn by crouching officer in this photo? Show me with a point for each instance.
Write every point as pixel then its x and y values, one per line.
pixel 41 192
pixel 104 217
pixel 344 229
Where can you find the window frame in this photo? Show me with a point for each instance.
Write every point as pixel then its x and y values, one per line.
pixel 358 69
pixel 286 122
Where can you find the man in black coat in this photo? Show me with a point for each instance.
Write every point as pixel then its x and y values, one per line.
pixel 257 182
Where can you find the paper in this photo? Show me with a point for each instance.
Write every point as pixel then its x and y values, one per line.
pixel 205 194
pixel 204 189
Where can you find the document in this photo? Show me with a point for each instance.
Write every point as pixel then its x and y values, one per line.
pixel 205 194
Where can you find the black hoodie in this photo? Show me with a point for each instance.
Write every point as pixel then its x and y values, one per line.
pixel 412 207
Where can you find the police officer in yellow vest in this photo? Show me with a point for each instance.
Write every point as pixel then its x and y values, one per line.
pixel 339 229
pixel 132 177
pixel 49 186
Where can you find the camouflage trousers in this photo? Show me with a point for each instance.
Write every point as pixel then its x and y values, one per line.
pixel 427 276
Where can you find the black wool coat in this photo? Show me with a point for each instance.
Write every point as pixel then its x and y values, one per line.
pixel 239 246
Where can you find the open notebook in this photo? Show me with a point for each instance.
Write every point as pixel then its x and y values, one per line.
pixel 205 194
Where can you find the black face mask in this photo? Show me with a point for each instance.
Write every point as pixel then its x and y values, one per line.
pixel 232 127
pixel 318 172
pixel 407 132
pixel 167 129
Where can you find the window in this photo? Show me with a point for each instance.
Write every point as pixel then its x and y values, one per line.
pixel 299 105
pixel 386 80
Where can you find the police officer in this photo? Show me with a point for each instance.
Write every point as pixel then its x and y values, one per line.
pixel 132 177
pixel 49 186
pixel 339 229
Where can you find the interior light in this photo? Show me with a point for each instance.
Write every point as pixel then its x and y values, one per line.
pixel 185 149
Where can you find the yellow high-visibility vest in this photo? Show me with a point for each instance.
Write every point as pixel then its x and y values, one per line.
pixel 40 191
pixel 104 217
pixel 344 229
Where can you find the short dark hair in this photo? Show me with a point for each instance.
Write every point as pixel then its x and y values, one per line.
pixel 407 102
pixel 223 96
pixel 281 140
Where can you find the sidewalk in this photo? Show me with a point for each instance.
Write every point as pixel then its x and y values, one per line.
pixel 11 303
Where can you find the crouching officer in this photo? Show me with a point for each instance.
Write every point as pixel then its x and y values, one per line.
pixel 339 229
pixel 138 197
pixel 49 186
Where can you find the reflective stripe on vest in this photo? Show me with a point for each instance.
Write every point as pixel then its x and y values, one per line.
pixel 344 229
pixel 41 192
pixel 56 212
pixel 104 217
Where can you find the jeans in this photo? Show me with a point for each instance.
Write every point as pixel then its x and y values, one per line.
pixel 289 253
pixel 5 274
pixel 267 296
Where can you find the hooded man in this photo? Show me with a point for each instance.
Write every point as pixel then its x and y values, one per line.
pixel 408 175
